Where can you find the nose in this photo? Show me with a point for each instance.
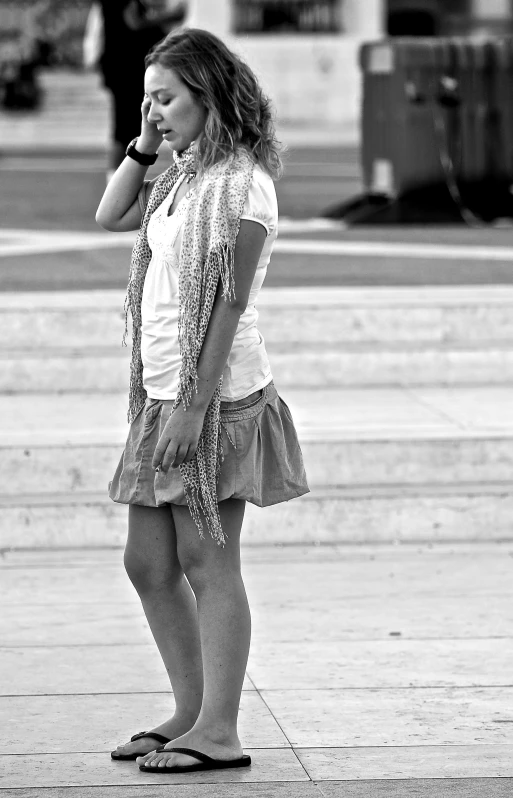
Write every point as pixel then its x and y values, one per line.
pixel 153 116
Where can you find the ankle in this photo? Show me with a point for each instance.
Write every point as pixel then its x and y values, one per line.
pixel 221 733
pixel 186 717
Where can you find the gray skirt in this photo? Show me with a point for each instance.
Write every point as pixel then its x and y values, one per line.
pixel 262 462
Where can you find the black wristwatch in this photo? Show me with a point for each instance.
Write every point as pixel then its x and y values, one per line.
pixel 140 157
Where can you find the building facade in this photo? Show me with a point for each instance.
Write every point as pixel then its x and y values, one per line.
pixel 305 52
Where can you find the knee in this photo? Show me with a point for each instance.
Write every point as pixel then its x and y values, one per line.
pixel 193 566
pixel 207 569
pixel 148 576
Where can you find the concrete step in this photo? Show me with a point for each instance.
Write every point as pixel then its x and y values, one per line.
pixel 442 316
pixel 383 465
pixel 80 468
pixel 351 515
pixel 73 369
pixel 72 444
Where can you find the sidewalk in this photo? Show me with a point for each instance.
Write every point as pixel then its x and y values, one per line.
pixel 374 670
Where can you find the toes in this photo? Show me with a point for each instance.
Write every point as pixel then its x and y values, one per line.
pixel 154 760
pixel 147 758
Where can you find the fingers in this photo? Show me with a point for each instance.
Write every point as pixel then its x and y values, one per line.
pixel 160 450
pixel 189 454
pixel 172 456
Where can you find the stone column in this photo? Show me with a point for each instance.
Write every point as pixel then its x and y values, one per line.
pixel 213 15
pixel 364 19
pixel 491 9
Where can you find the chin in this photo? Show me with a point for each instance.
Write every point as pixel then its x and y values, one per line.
pixel 178 145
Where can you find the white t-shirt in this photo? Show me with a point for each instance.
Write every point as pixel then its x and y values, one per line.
pixel 247 368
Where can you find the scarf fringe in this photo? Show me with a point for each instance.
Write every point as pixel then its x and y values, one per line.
pixel 201 494
pixel 207 259
pixel 201 471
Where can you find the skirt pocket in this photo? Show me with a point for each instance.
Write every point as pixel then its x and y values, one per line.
pixel 262 462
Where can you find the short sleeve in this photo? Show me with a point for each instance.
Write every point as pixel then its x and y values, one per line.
pixel 144 194
pixel 261 205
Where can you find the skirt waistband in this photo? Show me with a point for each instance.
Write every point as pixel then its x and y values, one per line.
pixel 250 410
pixel 241 410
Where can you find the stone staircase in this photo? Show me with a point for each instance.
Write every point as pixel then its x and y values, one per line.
pixel 75 114
pixel 402 399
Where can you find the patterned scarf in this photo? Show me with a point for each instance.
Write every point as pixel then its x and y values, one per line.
pixel 211 226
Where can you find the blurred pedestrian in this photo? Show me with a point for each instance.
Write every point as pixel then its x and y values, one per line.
pixel 208 428
pixel 22 52
pixel 129 28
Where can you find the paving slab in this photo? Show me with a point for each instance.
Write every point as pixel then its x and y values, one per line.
pixel 300 621
pixel 383 617
pixel 276 575
pixel 394 717
pixel 274 789
pixel 49 724
pixel 376 727
pixel 412 762
pixel 390 663
pixel 418 788
pixel 86 769
pixel 272 664
pixel 63 670
pixel 396 553
pixel 389 788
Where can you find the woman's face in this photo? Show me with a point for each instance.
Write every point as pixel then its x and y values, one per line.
pixel 175 111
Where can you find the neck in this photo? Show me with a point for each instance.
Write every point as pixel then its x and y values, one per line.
pixel 185 161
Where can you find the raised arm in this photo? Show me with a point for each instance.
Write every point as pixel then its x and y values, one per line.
pixel 119 209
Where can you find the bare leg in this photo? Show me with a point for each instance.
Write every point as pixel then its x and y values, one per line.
pixel 225 629
pixel 152 564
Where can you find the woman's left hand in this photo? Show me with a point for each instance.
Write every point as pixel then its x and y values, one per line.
pixel 179 439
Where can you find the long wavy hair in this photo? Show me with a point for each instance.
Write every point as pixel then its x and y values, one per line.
pixel 238 112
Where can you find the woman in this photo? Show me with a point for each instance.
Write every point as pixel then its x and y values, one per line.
pixel 208 429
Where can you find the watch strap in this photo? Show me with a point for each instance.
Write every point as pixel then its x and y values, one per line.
pixel 140 157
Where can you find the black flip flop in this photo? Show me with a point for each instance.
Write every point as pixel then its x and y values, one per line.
pixel 207 763
pixel 154 736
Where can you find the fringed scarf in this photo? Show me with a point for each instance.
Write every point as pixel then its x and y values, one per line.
pixel 211 226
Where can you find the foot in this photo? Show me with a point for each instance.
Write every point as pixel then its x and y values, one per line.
pixel 171 728
pixel 200 740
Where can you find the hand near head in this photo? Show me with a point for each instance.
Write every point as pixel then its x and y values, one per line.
pixel 150 138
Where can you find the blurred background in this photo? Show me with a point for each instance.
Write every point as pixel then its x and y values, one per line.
pixel 71 80
pixel 305 51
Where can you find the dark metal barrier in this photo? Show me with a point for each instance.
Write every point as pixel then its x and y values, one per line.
pixel 437 131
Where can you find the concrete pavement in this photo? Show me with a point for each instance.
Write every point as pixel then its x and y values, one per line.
pixel 374 670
